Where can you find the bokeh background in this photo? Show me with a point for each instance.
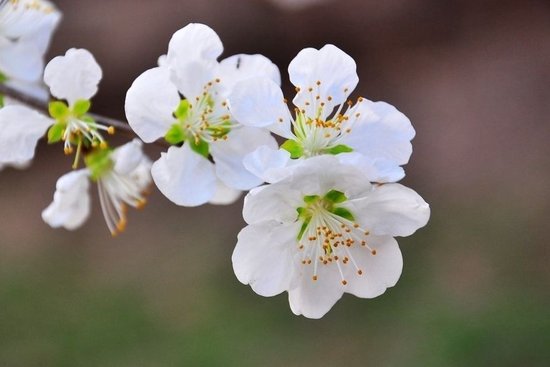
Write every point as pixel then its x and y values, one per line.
pixel 474 78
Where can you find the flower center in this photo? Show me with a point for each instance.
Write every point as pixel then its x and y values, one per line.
pixel 328 233
pixel 201 121
pixel 319 127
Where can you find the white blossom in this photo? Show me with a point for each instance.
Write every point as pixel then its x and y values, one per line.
pixel 208 144
pixel 26 27
pixel 324 231
pixel 372 135
pixel 73 77
pixel 122 176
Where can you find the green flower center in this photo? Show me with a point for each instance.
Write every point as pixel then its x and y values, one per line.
pixel 200 122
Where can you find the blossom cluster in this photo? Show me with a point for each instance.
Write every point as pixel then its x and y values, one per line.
pixel 323 206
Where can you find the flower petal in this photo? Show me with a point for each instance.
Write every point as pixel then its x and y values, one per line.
pixel 150 103
pixel 263 257
pixel 73 76
pixel 268 164
pixel 258 102
pixel 184 177
pixel 21 61
pixel 21 129
pixel 240 67
pixel 379 271
pixel 229 154
pixel 128 156
pixel 224 195
pixel 271 202
pixel 381 132
pixel 333 68
pixel 195 41
pixel 314 298
pixel 376 170
pixel 391 209
pixel 71 202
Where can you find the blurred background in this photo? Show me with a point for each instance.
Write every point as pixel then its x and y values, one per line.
pixel 474 78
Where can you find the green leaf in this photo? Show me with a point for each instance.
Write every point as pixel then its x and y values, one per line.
pixel 182 111
pixel 99 162
pixel 295 149
pixel 175 135
pixel 344 213
pixel 303 228
pixel 1 100
pixel 200 146
pixel 55 133
pixel 3 78
pixel 342 148
pixel 308 199
pixel 335 196
pixel 58 110
pixel 81 106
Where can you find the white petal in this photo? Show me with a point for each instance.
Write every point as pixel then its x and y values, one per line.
pixel 224 195
pixel 229 154
pixel 71 202
pixel 150 103
pixel 26 18
pixel 379 170
pixel 263 257
pixel 191 57
pixel 240 67
pixel 258 102
pixel 268 163
pixel 128 156
pixel 329 174
pixel 184 177
pixel 192 77
pixel 271 202
pixel 391 209
pixel 381 132
pixel 36 89
pixel 336 71
pixel 314 298
pixel 21 128
pixel 21 61
pixel 73 76
pixel 192 42
pixel 379 271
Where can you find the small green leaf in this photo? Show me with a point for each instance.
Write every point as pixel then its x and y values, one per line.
pixel 335 196
pixel 55 133
pixel 99 162
pixel 58 110
pixel 308 199
pixel 175 135
pixel 303 228
pixel 295 149
pixel 182 111
pixel 344 213
pixel 200 146
pixel 1 100
pixel 3 78
pixel 81 106
pixel 341 148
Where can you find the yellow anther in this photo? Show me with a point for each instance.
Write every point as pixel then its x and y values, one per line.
pixel 111 130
